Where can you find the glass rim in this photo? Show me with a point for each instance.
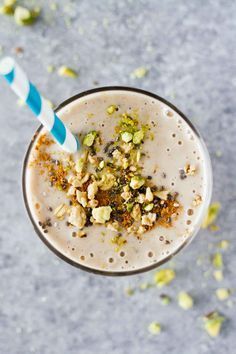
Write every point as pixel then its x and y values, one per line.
pixel 99 271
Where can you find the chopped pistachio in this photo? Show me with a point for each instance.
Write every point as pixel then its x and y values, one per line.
pixel 140 198
pixel 77 216
pixel 149 194
pixel 214 227
pixel 185 300
pixel 148 219
pixel 126 194
pixel 224 244
pixel 126 137
pixel 111 109
pixel 60 211
pixel 136 212
pixel 164 277
pixel 165 299
pixel 139 72
pixel 222 294
pixel 24 16
pixel 90 138
pixel 82 198
pixel 129 291
pixel 67 72
pixel 119 240
pixel 113 226
pixel 8 7
pixel 162 194
pixel 107 182
pixel 137 182
pixel 79 165
pixel 217 260
pixel 213 323
pixel 138 156
pixel 212 214
pixel 92 190
pixel 154 328
pixel 138 137
pixel 102 214
pixel 149 207
pixel 6 10
pixel 127 120
pixel 101 165
pixel 129 207
pixel 218 275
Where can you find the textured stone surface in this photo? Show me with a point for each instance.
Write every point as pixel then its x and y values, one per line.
pixel 49 307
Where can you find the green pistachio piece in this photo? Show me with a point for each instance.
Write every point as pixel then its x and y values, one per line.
pixel 101 165
pixel 6 10
pixel 137 182
pixel 8 7
pixel 126 137
pixel 185 300
pixel 212 214
pixel 129 291
pixel 164 277
pixel 213 323
pixel 127 120
pixel 24 16
pixel 224 244
pixel 89 138
pixel 139 73
pixel 149 207
pixel 218 275
pixel 154 328
pixel 79 165
pixel 111 109
pixel 129 207
pixel 223 294
pixel 165 299
pixel 102 214
pixel 217 260
pixel 67 72
pixel 138 137
pixel 138 156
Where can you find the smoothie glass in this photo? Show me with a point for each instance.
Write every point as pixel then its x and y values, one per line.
pixel 130 271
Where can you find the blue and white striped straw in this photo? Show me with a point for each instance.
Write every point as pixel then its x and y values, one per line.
pixel 24 89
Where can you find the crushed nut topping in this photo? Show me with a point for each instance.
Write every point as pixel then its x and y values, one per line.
pixel 110 188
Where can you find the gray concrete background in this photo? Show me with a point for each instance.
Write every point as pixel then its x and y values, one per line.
pixel 49 307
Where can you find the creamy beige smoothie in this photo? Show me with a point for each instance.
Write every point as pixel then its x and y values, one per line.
pixel 134 194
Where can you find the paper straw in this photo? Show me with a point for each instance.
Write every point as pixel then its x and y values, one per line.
pixel 24 89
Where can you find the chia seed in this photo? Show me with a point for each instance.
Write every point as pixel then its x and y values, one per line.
pixel 182 174
pixel 106 148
